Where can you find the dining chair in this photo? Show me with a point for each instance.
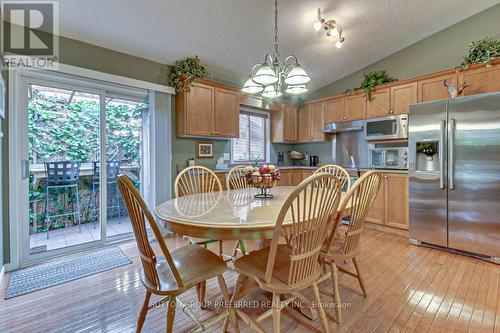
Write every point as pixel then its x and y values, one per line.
pixel 173 273
pixel 287 269
pixel 337 171
pixel 194 180
pixel 235 180
pixel 345 245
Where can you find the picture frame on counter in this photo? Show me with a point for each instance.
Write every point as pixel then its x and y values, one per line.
pixel 204 149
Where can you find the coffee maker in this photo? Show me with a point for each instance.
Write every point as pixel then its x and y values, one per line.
pixel 313 160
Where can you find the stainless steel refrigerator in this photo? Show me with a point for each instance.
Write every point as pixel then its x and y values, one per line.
pixel 454 170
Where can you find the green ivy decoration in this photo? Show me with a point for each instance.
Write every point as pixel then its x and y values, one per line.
pixel 186 72
pixel 482 51
pixel 299 103
pixel 373 79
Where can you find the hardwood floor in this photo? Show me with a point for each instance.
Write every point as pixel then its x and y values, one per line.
pixel 410 289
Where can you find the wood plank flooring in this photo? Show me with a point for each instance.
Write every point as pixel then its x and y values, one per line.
pixel 410 289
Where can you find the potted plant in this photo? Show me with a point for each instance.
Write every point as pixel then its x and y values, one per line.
pixel 373 79
pixel 185 72
pixel 482 51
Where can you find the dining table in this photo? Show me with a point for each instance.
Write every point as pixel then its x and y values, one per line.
pixel 234 214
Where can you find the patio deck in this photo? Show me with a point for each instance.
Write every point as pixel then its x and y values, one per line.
pixel 70 236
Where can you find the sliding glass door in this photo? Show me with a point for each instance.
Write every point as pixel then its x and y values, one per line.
pixel 75 141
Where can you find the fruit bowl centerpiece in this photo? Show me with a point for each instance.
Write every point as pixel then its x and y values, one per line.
pixel 264 178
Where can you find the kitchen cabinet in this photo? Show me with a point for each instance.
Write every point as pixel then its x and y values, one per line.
pixel 402 96
pixel 222 179
pixel 433 89
pixel 354 107
pixel 380 105
pixel 480 79
pixel 391 207
pixel 295 177
pixel 304 124
pixel 334 110
pixel 284 123
pixel 285 178
pixel 310 123
pixel 306 173
pixel 208 110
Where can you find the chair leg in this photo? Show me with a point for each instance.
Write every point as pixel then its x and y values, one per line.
pixel 235 250
pixel 221 250
pixel 78 208
pixel 118 203
pixel 172 304
pixel 227 300
pixel 336 295
pixel 321 311
pixel 276 313
pixel 360 279
pixel 201 290
pixel 47 218
pixel 234 298
pixel 144 311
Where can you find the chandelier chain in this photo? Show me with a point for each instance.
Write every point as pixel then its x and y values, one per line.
pixel 276 50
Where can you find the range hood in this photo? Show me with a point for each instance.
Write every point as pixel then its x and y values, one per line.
pixel 347 126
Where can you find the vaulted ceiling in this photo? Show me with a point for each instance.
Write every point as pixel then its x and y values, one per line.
pixel 231 35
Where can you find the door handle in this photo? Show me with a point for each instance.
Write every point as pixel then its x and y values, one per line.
pixel 442 137
pixel 451 154
pixel 25 169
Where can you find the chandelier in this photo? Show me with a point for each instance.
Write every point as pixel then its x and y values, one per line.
pixel 270 77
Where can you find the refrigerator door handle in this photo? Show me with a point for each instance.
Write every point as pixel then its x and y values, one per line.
pixel 451 157
pixel 442 138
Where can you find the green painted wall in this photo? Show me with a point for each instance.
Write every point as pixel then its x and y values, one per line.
pixel 443 50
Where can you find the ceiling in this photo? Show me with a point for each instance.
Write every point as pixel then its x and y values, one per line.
pixel 231 35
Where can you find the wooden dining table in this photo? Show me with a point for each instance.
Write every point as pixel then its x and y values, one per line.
pixel 231 215
pixel 226 215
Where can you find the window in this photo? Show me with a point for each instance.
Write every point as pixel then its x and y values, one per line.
pixel 253 142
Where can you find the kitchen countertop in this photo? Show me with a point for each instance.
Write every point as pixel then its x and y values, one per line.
pixel 288 167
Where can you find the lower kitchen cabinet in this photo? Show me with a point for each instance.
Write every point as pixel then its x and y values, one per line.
pixel 391 206
pixel 295 177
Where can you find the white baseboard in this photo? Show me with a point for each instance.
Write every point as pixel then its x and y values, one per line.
pixel 2 274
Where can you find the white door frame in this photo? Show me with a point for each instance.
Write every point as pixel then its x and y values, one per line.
pixel 70 75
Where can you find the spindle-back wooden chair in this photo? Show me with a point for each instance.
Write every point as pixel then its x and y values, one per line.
pixel 193 180
pixel 339 172
pixel 236 181
pixel 347 244
pixel 173 273
pixel 287 269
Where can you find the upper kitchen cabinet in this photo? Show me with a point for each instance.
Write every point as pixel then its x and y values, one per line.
pixel 311 122
pixel 380 105
pixel 354 107
pixel 433 89
pixel 402 96
pixel 208 110
pixel 334 110
pixel 284 123
pixel 480 79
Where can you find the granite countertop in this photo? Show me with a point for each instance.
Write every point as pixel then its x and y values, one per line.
pixel 287 167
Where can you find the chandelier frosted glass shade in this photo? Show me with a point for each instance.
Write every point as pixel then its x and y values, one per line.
pixel 296 89
pixel 250 87
pixel 297 76
pixel 271 92
pixel 265 75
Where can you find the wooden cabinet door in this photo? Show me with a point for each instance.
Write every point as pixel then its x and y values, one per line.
pixel 402 96
pixel 222 179
pixel 355 107
pixel 200 111
pixel 317 123
pixel 380 105
pixel 227 113
pixel 480 80
pixel 285 178
pixel 304 124
pixel 334 110
pixel 434 89
pixel 290 123
pixel 396 200
pixel 295 177
pixel 306 173
pixel 376 213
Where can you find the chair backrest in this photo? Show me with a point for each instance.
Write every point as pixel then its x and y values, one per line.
pixel 62 172
pixel 196 179
pixel 139 213
pixel 235 178
pixel 307 211
pixel 339 172
pixel 112 170
pixel 360 198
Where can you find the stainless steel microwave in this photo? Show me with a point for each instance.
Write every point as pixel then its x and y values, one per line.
pixel 388 158
pixel 387 128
